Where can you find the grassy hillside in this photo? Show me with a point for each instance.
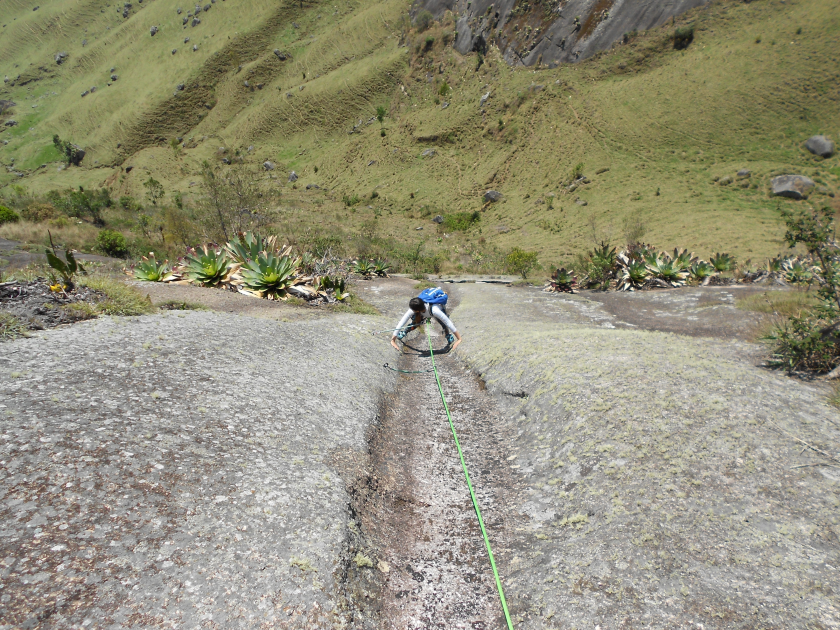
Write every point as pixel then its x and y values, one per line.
pixel 758 80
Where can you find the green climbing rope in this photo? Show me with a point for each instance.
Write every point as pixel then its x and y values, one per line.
pixel 469 485
pixel 406 371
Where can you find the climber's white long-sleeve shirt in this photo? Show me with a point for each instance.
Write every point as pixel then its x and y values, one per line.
pixel 432 310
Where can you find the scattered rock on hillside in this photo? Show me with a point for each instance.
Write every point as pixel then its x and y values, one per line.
pixel 178 10
pixel 280 55
pixel 154 30
pixel 186 40
pixel 93 89
pixel 60 57
pixel 725 181
pixel 207 7
pixel 180 87
pixel 792 186
pixel 293 177
pixel 444 105
pixel 313 187
pixel 820 145
pixel 483 99
pixel 246 84
pixel 126 9
pixel 184 20
pixel 11 123
pixel 196 22
pixel 438 219
pixel 269 166
pixel 428 153
pixel 85 93
pixel 581 202
pixel 197 9
pixel 744 173
pixel 174 50
pixel 195 47
pixel 492 196
pixel 114 77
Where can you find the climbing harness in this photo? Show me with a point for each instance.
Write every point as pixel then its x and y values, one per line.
pixel 469 485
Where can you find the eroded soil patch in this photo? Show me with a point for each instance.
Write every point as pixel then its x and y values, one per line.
pixel 38 307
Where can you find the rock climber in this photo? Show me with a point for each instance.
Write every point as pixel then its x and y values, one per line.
pixel 430 303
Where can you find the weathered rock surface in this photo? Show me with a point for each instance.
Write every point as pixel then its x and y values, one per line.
pixel 820 145
pixel 793 186
pixel 293 177
pixel 438 219
pixel 187 498
pixel 492 195
pixel 482 22
pixel 268 165
pixel 60 57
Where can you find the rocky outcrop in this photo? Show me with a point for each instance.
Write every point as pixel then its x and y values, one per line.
pixel 792 186
pixel 575 30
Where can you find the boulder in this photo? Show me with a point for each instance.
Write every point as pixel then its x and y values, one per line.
pixel 11 123
pixel 93 89
pixel 820 145
pixel 60 57
pixel 313 187
pixel 280 55
pixel 428 153
pixel 492 196
pixel 184 20
pixel 444 105
pixel 174 50
pixel 438 219
pixel 207 7
pixel 180 87
pixel 85 93
pixel 76 155
pixel 269 166
pixel 195 22
pixel 581 202
pixel 744 173
pixel 293 177
pixel 195 47
pixel 483 99
pixel 792 186
pixel 114 77
pixel 725 181
pixel 154 30
pixel 186 40
pixel 178 10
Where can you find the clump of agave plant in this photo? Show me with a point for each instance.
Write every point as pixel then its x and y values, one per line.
pixel 150 270
pixel 364 268
pixel 380 268
pixel 269 275
pixel 249 264
pixel 562 281
pixel 208 266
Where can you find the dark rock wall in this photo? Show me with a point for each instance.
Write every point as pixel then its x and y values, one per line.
pixel 530 32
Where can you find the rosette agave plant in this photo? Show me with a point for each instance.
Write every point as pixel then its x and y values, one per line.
pixel 797 272
pixel 248 246
pixel 701 270
pixel 723 262
pixel 270 275
pixel 380 268
pixel 364 268
pixel 563 281
pixel 632 274
pixel 664 268
pixel 208 266
pixel 150 270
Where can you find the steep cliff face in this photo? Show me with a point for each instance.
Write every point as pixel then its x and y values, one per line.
pixel 539 31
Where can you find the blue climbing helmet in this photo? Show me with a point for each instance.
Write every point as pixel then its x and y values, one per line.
pixel 434 296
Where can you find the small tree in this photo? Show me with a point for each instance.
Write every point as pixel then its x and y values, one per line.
pixel 811 340
pixel 380 114
pixel 70 152
pixel 520 262
pixel 154 190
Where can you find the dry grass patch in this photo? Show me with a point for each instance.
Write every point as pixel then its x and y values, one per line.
pixel 789 303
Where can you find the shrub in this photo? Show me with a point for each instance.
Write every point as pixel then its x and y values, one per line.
pixel 430 41
pixel 520 262
pixel 461 221
pixel 128 203
pixel 423 20
pixel 444 89
pixel 683 36
pixel 380 113
pixel 811 340
pixel 8 216
pixel 37 212
pixel 350 200
pixel 112 243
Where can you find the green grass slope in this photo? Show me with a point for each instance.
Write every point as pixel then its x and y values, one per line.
pixel 758 79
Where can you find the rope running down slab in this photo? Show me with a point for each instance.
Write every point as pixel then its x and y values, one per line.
pixel 469 485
